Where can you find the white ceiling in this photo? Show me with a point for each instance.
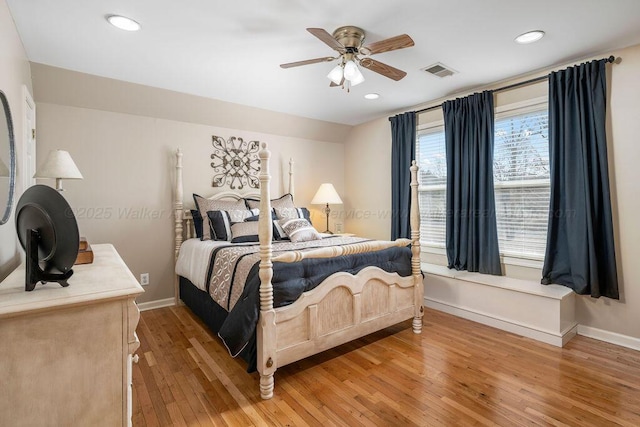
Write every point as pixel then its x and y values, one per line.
pixel 231 50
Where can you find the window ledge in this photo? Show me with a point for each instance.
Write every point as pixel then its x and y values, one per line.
pixel 504 259
pixel 517 285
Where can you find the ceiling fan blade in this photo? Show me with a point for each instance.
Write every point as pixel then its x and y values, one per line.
pixel 307 62
pixel 327 39
pixel 384 69
pixel 393 43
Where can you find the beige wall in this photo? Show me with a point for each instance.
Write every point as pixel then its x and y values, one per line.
pixel 125 150
pixel 368 153
pixel 14 72
pixel 367 201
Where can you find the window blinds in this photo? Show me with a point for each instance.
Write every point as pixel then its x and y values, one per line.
pixel 432 184
pixel 521 182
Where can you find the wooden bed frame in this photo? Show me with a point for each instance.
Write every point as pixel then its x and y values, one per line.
pixel 342 308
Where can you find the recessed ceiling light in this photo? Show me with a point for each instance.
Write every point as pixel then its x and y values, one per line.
pixel 123 23
pixel 530 37
pixel 372 96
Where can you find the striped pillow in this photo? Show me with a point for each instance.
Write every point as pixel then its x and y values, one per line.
pixel 222 222
pixel 205 205
pixel 292 213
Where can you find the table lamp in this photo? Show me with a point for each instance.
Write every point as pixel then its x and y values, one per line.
pixel 326 195
pixel 59 165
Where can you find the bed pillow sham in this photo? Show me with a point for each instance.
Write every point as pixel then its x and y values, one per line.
pixel 204 205
pixel 285 201
pixel 197 222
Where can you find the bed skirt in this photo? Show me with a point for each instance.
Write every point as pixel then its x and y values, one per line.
pixel 201 304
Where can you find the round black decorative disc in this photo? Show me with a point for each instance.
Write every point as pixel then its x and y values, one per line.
pixel 45 210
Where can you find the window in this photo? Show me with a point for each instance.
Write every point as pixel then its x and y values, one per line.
pixel 521 180
pixel 432 180
pixel 521 183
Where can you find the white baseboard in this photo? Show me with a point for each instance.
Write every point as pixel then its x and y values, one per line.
pixel 610 337
pixel 520 329
pixel 150 305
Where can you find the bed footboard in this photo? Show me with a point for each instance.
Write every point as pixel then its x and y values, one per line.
pixel 344 308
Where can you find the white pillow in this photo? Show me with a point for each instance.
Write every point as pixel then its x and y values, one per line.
pixel 299 230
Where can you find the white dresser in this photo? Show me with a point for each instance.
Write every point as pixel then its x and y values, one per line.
pixel 66 353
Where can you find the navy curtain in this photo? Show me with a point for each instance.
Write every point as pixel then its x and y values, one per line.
pixel 403 151
pixel 580 250
pixel 471 232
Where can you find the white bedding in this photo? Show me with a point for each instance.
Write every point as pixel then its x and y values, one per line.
pixel 193 260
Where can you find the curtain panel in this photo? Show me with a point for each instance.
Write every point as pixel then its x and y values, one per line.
pixel 403 151
pixel 471 230
pixel 580 251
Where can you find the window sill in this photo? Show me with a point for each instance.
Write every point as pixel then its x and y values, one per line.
pixel 503 282
pixel 506 260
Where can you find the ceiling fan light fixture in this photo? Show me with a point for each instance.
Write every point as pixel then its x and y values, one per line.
pixel 336 74
pixel 529 37
pixel 372 96
pixel 350 70
pixel 123 23
pixel 352 73
pixel 357 78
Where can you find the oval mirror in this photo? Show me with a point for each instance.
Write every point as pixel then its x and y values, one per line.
pixel 7 160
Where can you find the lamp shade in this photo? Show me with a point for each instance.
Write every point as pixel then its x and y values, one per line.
pixel 357 77
pixel 336 74
pixel 326 194
pixel 350 70
pixel 59 164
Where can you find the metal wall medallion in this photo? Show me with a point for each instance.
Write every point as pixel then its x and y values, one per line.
pixel 235 163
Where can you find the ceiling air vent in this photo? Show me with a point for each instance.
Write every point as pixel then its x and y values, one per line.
pixel 440 70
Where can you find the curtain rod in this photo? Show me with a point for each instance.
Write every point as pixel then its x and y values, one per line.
pixel 513 86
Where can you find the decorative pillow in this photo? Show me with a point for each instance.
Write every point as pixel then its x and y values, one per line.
pixel 220 225
pixel 204 205
pixel 256 217
pixel 285 201
pixel 221 222
pixel 292 213
pixel 299 230
pixel 278 232
pixel 245 232
pixel 197 222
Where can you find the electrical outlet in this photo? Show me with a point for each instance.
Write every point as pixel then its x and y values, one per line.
pixel 338 227
pixel 144 279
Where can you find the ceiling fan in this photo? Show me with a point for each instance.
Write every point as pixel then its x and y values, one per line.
pixel 347 41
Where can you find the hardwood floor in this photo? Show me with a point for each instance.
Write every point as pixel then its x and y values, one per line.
pixel 456 373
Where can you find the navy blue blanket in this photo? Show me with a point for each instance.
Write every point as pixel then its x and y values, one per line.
pixel 290 280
